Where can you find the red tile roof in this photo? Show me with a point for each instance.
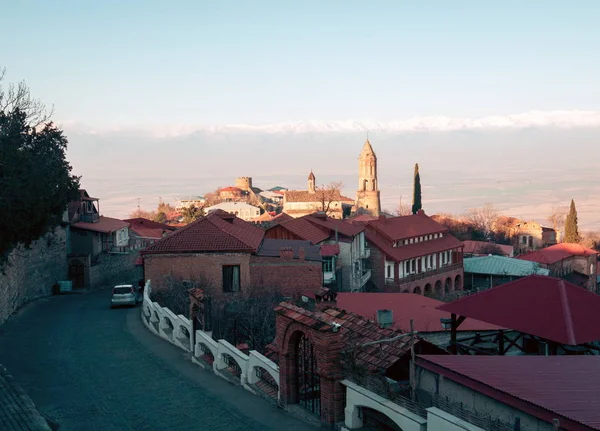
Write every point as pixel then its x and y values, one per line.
pixel 305 230
pixel 219 231
pixel 546 307
pixel 406 306
pixel 363 218
pixel 149 229
pixel 542 386
pixel 103 225
pixel 230 189
pixel 331 224
pixel 557 252
pixel 409 226
pixel 330 249
pixel 476 247
pixel 416 249
pixel 356 330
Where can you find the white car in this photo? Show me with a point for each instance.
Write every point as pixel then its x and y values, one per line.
pixel 124 294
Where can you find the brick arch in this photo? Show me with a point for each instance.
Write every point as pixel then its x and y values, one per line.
pixel 458 282
pixel 448 288
pixel 293 334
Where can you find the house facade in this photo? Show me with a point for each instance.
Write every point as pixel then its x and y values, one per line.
pixel 239 209
pixel 300 203
pixel 573 262
pixel 100 250
pixel 223 254
pixel 143 232
pixel 343 248
pixel 414 254
pixel 530 236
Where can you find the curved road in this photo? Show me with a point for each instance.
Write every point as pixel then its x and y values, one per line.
pixel 88 367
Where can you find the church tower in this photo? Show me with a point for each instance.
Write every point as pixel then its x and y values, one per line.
pixel 367 196
pixel 312 183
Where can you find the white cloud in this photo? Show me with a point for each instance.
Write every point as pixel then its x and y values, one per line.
pixel 539 119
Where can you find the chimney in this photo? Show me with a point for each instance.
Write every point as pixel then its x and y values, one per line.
pixel 385 318
pixel 301 254
pixel 286 253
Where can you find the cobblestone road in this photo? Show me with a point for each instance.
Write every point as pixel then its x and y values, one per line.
pixel 88 367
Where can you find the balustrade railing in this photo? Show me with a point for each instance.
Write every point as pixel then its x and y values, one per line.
pixel 422 275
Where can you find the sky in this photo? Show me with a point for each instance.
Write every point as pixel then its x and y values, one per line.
pixel 145 63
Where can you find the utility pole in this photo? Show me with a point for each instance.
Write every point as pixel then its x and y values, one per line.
pixel 138 205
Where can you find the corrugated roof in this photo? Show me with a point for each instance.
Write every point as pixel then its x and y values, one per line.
pixel 501 265
pixel 409 226
pixel 272 248
pixel 330 249
pixel 405 306
pixel 552 386
pixel 547 307
pixel 557 252
pixel 330 223
pixel 103 225
pixel 219 231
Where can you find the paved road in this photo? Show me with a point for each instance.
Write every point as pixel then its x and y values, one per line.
pixel 88 367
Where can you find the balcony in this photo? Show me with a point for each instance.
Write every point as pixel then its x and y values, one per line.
pixel 89 218
pixel 365 253
pixel 426 274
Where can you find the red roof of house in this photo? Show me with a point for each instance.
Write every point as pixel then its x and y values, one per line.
pixel 362 218
pixel 557 252
pixel 331 224
pixel 546 307
pixel 305 230
pixel 148 228
pixel 230 189
pixel 330 249
pixel 219 231
pixel 476 247
pixel 406 306
pixel 306 196
pixel 409 226
pixel 356 330
pixel 280 218
pixel 410 251
pixel 542 386
pixel 103 225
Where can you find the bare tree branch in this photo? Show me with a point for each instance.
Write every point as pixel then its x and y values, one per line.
pixel 18 97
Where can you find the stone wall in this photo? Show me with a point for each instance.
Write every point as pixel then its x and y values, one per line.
pixel 30 273
pixel 114 269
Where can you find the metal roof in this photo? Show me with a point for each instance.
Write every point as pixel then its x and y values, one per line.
pixel 546 387
pixel 547 307
pixel 501 265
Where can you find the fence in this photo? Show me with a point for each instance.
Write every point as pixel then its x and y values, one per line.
pixel 252 371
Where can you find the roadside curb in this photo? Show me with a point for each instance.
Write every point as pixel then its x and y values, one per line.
pixel 17 410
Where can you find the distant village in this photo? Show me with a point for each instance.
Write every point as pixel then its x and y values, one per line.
pixel 344 307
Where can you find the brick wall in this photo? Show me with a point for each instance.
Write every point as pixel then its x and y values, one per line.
pixel 327 347
pixel 292 276
pixel 30 273
pixel 377 265
pixel 205 267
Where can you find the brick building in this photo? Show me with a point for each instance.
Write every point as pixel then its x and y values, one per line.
pixel 573 262
pixel 226 254
pixel 318 350
pixel 413 254
pixel 343 248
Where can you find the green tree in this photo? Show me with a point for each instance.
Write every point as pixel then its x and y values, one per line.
pixel 36 183
pixel 160 217
pixel 416 206
pixel 191 213
pixel 571 229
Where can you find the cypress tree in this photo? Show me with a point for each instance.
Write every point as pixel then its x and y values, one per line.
pixel 416 206
pixel 571 230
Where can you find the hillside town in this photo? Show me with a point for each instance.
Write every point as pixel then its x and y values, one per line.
pixel 295 216
pixel 355 314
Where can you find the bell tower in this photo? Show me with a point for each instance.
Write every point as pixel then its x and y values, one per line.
pixel 368 196
pixel 312 183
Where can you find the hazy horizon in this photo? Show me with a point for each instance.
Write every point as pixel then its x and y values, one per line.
pixel 524 171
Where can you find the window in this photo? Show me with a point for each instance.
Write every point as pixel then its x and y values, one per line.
pixel 231 278
pixel 389 271
pixel 328 264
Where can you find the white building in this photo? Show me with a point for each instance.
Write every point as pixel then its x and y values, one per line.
pixel 188 201
pixel 239 209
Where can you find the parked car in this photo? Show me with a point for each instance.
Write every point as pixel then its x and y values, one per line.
pixel 125 294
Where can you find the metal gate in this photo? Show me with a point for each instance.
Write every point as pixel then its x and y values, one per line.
pixel 309 382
